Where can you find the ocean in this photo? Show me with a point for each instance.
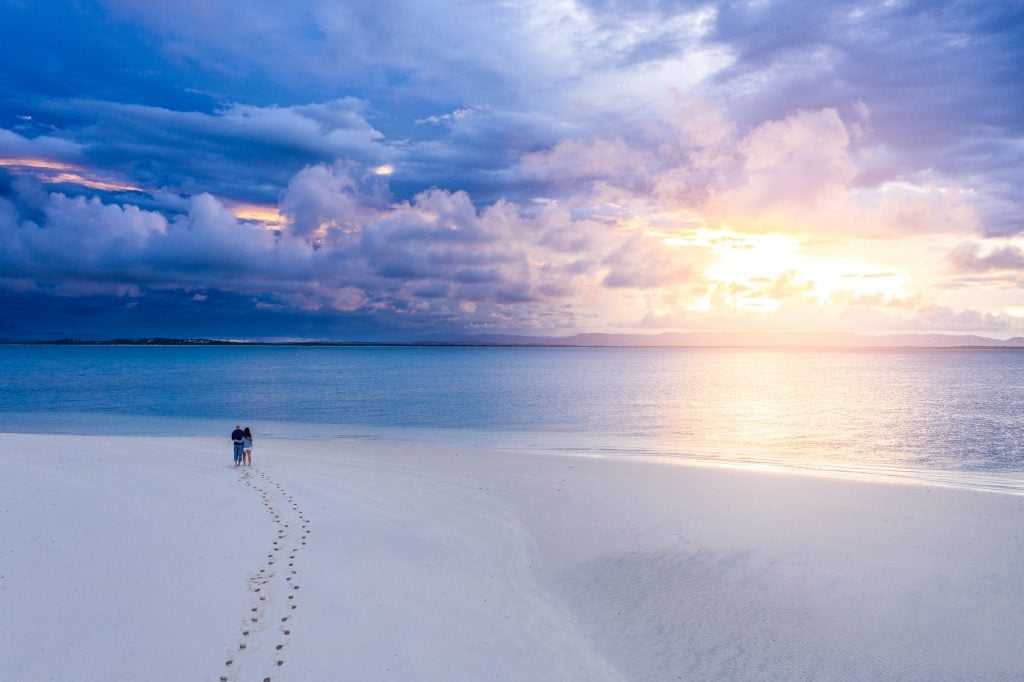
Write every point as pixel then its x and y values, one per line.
pixel 931 414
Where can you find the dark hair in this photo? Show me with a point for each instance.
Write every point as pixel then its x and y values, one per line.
pixel 248 433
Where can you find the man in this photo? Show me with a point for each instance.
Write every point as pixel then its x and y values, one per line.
pixel 237 437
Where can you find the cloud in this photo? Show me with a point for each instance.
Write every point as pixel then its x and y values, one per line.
pixel 938 82
pixel 943 318
pixel 241 152
pixel 42 148
pixel 557 73
pixel 436 261
pixel 439 51
pixel 321 198
pixel 643 262
pixel 571 163
pixel 973 258
pixel 347 245
pixel 83 240
pixel 803 158
pixel 459 114
pixel 344 248
pixel 800 174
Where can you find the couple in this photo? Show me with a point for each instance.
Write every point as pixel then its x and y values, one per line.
pixel 243 445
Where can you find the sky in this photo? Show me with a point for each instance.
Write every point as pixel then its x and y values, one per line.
pixel 397 170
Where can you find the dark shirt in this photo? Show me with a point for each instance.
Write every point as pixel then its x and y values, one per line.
pixel 238 435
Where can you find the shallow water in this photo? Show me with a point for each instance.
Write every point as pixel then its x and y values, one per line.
pixel 926 411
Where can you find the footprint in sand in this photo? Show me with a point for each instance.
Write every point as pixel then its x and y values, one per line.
pixel 254 639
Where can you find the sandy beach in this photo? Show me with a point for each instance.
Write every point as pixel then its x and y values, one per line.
pixel 155 559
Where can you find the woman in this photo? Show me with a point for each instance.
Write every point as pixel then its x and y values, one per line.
pixel 247 447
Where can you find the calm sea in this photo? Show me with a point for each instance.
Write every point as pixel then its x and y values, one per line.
pixel 919 412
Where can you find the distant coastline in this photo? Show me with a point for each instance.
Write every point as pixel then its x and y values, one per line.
pixel 837 340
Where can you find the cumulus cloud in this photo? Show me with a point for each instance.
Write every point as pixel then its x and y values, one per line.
pixel 802 159
pixel 344 249
pixel 347 245
pixel 800 174
pixel 321 198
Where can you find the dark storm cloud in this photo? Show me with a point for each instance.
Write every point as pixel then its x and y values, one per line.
pixel 240 152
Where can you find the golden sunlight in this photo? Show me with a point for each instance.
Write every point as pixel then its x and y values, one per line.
pixel 34 163
pixel 757 272
pixel 1014 311
pixel 56 172
pixel 266 215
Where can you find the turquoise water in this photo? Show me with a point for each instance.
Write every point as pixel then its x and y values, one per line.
pixel 916 410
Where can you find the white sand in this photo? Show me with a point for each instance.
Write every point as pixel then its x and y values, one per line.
pixel 130 558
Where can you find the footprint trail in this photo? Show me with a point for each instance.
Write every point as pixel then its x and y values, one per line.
pixel 265 629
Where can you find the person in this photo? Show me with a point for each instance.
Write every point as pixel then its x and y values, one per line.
pixel 238 438
pixel 247 447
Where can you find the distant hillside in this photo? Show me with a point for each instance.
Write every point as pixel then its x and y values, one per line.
pixel 741 339
pixel 666 340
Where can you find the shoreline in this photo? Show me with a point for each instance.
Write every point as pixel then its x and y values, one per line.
pixel 559 444
pixel 140 557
